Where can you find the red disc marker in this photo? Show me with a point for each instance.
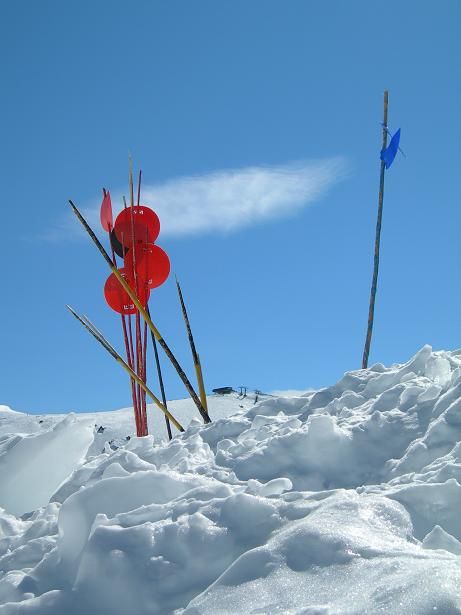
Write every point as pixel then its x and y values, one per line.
pixel 137 224
pixel 150 262
pixel 118 299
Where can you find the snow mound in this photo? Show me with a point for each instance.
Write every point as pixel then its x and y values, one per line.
pixel 344 500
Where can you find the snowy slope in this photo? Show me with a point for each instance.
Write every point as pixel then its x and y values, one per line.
pixel 120 423
pixel 340 501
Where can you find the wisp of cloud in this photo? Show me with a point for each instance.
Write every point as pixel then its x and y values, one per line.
pixel 232 199
pixel 227 200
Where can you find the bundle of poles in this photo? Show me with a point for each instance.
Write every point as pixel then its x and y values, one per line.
pixel 136 353
pixel 127 291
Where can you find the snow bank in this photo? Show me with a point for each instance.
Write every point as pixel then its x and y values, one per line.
pixel 33 467
pixel 352 554
pixel 343 500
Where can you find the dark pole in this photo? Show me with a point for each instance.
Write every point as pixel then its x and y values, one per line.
pixel 374 284
pixel 195 356
pixel 160 380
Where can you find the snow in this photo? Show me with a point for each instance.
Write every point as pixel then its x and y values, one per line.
pixel 29 474
pixel 339 501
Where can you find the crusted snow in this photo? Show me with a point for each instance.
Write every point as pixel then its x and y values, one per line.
pixel 340 501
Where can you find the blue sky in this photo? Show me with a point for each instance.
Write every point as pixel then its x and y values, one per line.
pixel 257 126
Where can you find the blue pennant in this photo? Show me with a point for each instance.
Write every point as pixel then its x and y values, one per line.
pixel 389 153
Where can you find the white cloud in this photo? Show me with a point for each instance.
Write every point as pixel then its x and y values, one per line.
pixel 232 199
pixel 227 200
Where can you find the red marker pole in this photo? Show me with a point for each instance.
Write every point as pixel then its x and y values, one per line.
pixel 107 224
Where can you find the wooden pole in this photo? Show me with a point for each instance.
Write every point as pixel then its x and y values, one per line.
pixel 374 284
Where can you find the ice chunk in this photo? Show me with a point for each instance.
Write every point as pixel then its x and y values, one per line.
pixel 111 496
pixel 438 538
pixel 276 486
pixel 438 369
pixel 33 467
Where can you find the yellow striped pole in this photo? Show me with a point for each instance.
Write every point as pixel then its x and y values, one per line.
pixel 195 356
pixel 111 350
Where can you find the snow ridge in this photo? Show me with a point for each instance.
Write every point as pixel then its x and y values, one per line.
pixel 343 500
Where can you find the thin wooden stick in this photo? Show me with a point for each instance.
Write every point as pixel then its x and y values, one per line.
pixel 139 186
pixel 130 172
pixel 374 283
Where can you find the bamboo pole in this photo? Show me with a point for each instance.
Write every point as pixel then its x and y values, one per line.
pixel 111 350
pixel 195 356
pixel 374 283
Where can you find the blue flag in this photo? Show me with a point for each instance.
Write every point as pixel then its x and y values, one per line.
pixel 389 153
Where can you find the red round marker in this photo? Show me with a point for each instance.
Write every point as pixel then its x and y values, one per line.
pixel 118 299
pixel 152 264
pixel 138 224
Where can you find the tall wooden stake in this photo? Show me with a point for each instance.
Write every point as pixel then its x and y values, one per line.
pixel 374 284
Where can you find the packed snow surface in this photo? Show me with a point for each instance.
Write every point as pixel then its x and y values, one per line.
pixel 345 500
